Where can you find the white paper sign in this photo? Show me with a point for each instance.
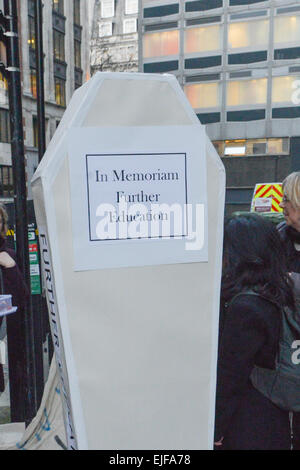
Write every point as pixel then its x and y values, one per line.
pixel 263 204
pixel 135 189
pixel 34 270
pixel 138 196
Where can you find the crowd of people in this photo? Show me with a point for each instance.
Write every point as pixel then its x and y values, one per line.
pixel 258 379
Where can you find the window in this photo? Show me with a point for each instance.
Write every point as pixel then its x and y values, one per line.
pixel 77 12
pixel 60 91
pixel 131 7
pixel 278 146
pixel 204 38
pixel 31 44
pixel 257 147
pixel 129 26
pixel 247 92
pixel 235 148
pixel 59 45
pixel 203 95
pixel 284 88
pixel 31 32
pixel 244 2
pixel 202 5
pixel 3 57
pixel 161 44
pixel 107 8
pixel 252 147
pixel 31 7
pixel 33 85
pixel 4 126
pixel 219 146
pixel 105 29
pixel 248 34
pixel 6 181
pixel 35 132
pixel 286 29
pixel 77 54
pixel 3 82
pixel 58 6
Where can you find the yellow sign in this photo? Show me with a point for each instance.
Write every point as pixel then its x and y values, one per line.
pixel 267 197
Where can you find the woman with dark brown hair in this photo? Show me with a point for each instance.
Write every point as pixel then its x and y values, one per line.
pixel 255 289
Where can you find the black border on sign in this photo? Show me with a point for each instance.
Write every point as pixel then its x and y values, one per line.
pixel 133 154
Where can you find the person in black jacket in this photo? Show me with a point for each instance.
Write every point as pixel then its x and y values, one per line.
pixel 253 262
pixel 289 232
pixel 13 283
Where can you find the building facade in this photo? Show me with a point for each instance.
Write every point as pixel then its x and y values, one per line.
pixel 66 67
pixel 114 42
pixel 238 62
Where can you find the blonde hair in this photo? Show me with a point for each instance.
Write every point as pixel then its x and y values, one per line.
pixel 4 217
pixel 291 188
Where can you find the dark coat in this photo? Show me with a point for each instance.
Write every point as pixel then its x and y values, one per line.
pixel 289 236
pixel 249 336
pixel 13 284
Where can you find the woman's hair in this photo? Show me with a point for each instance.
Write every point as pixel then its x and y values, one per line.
pixel 4 220
pixel 253 258
pixel 291 188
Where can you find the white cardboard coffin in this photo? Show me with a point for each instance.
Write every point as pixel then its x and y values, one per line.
pixel 134 317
